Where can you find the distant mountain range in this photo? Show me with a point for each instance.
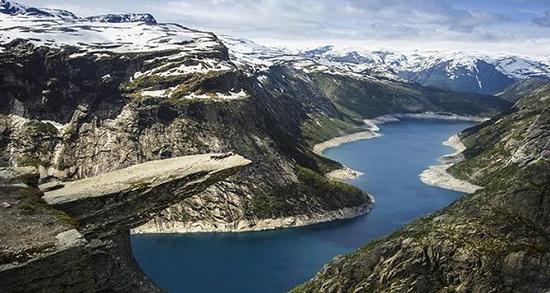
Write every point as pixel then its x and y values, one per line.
pixel 479 72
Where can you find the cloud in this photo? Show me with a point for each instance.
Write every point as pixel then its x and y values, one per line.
pixel 543 20
pixel 302 19
pixel 419 22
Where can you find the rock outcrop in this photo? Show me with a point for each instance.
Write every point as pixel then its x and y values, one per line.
pixel 494 240
pixel 75 236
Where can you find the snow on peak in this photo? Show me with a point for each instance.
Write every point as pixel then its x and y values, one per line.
pixel 254 57
pixel 115 32
pixel 120 18
pixel 14 8
pixel 319 50
pixel 516 67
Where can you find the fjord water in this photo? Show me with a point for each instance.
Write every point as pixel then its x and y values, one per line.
pixel 275 261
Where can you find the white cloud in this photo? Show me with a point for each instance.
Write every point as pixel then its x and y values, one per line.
pixel 491 23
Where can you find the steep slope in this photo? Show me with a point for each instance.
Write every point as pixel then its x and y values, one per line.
pixel 521 88
pixel 373 97
pixel 495 240
pixel 74 237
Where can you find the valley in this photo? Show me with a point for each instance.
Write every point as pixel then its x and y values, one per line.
pixel 267 138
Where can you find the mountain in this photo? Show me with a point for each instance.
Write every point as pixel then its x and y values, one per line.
pixel 111 94
pixel 476 72
pixel 128 17
pixel 521 88
pixel 12 8
pixel 496 239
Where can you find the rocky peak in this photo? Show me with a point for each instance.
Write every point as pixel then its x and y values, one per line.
pixel 14 8
pixel 127 17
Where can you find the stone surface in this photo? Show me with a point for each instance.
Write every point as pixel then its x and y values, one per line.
pixel 125 198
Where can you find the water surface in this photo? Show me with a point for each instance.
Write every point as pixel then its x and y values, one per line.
pixel 275 261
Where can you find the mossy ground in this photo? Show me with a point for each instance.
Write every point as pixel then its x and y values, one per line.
pixel 314 188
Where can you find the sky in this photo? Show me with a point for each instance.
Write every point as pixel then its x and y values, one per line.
pixel 515 26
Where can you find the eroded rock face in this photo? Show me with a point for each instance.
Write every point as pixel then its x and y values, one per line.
pixel 71 121
pixel 75 237
pixel 495 240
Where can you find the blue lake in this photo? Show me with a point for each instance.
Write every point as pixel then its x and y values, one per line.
pixel 275 261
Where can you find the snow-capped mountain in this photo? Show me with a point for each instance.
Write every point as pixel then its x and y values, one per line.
pixel 479 72
pixel 113 33
pixel 255 57
pixel 12 8
pixel 128 17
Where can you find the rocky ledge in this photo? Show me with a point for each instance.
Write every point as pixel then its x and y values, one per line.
pixel 74 237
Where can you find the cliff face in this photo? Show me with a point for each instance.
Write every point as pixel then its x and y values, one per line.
pixel 495 240
pixel 74 236
pixel 106 123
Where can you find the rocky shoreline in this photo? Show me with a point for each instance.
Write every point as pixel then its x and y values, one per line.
pixel 347 173
pixel 343 174
pixel 437 175
pixel 245 225
pixel 371 126
pixel 154 227
pixel 340 140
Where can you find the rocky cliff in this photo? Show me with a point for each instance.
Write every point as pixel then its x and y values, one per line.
pixel 494 240
pixel 87 124
pixel 73 237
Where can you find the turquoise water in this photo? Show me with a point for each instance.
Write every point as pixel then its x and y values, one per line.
pixel 275 261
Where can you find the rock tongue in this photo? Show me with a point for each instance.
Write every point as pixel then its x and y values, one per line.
pixel 129 197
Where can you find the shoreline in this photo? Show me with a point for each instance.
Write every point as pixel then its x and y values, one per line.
pixel 426 115
pixel 372 131
pixel 437 175
pixel 254 225
pixel 319 148
pixel 345 173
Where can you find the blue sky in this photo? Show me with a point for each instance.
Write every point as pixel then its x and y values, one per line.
pixel 519 26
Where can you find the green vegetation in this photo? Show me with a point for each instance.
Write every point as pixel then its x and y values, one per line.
pixel 32 203
pixel 27 160
pixel 371 98
pixel 42 128
pixel 321 128
pixel 311 187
